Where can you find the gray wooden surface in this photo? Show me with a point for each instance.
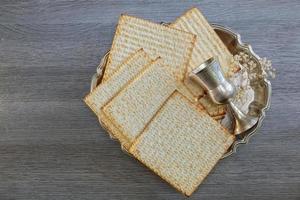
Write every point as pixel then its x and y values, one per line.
pixel 51 146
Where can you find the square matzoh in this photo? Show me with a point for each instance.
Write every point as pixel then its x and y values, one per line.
pixel 181 144
pixel 132 109
pixel 132 33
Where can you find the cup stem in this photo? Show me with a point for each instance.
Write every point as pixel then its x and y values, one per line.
pixel 242 122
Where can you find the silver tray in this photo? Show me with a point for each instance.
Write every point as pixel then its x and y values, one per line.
pixel 261 86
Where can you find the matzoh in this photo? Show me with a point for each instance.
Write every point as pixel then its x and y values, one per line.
pixel 208 44
pixel 181 144
pixel 212 108
pixel 136 104
pixel 174 46
pixel 107 90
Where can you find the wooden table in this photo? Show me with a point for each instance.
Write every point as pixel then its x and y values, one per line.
pixel 51 145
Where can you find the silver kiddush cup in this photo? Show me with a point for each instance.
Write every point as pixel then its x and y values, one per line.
pixel 210 77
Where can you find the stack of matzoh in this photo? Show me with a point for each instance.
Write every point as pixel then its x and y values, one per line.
pixel 148 103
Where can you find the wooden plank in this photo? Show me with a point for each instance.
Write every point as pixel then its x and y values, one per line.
pixel 51 145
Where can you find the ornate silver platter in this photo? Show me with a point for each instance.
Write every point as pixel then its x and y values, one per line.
pixel 260 85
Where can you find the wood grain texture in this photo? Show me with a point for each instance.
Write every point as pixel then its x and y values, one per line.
pixel 51 145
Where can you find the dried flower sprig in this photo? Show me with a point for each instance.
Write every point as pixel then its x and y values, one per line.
pixel 250 70
pixel 247 63
pixel 268 70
